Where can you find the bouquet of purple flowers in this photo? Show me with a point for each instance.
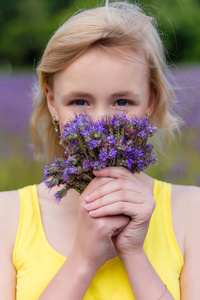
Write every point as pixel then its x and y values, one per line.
pixel 111 141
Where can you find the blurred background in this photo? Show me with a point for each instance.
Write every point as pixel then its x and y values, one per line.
pixel 25 28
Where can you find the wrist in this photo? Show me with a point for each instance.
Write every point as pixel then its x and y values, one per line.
pixel 136 256
pixel 143 278
pixel 82 265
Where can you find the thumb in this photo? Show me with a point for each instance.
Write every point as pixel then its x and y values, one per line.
pixel 117 224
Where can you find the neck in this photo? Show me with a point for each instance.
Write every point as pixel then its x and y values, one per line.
pixel 68 202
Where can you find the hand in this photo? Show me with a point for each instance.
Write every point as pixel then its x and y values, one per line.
pixel 124 195
pixel 94 235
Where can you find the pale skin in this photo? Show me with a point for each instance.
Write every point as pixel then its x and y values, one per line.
pixel 114 211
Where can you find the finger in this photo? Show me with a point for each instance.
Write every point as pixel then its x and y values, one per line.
pixel 95 184
pixel 138 212
pixel 116 196
pixel 116 224
pixel 119 184
pixel 116 172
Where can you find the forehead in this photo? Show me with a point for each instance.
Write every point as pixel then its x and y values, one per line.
pixel 105 64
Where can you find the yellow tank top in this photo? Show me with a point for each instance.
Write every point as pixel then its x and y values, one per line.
pixel 37 262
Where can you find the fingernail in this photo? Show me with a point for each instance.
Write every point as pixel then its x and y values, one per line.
pixel 87 205
pixel 88 197
pixel 92 213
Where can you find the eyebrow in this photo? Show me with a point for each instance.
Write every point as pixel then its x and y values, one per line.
pixel 128 93
pixel 77 94
pixel 125 94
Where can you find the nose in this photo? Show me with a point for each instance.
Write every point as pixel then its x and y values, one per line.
pixel 98 114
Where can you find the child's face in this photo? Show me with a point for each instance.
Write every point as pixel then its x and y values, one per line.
pixel 102 83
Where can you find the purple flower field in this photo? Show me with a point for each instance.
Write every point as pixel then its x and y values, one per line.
pixel 15 111
pixel 16 107
pixel 187 90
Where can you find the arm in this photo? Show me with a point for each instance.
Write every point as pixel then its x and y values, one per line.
pixel 188 199
pixel 9 218
pixel 74 277
pixel 143 278
pixel 71 281
pixel 126 195
pixel 63 283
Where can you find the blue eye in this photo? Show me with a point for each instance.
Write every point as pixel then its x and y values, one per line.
pixel 122 102
pixel 79 102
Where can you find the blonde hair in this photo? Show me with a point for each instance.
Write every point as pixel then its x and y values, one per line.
pixel 115 24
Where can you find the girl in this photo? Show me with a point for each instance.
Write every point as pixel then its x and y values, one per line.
pixel 127 236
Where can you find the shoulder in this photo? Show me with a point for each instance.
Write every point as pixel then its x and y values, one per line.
pixel 9 202
pixel 9 217
pixel 185 191
pixel 186 198
pixel 185 207
pixel 186 219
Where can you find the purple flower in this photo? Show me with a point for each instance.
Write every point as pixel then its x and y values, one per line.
pixel 103 155
pixel 112 153
pixel 110 140
pixel 73 170
pixel 95 145
pixel 86 164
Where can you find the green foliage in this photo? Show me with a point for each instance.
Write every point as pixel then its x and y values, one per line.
pixel 17 172
pixel 26 26
pixel 180 162
pixel 179 23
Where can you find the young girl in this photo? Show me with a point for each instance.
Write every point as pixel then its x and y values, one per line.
pixel 127 236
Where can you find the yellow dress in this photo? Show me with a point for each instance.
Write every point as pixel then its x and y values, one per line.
pixel 37 262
